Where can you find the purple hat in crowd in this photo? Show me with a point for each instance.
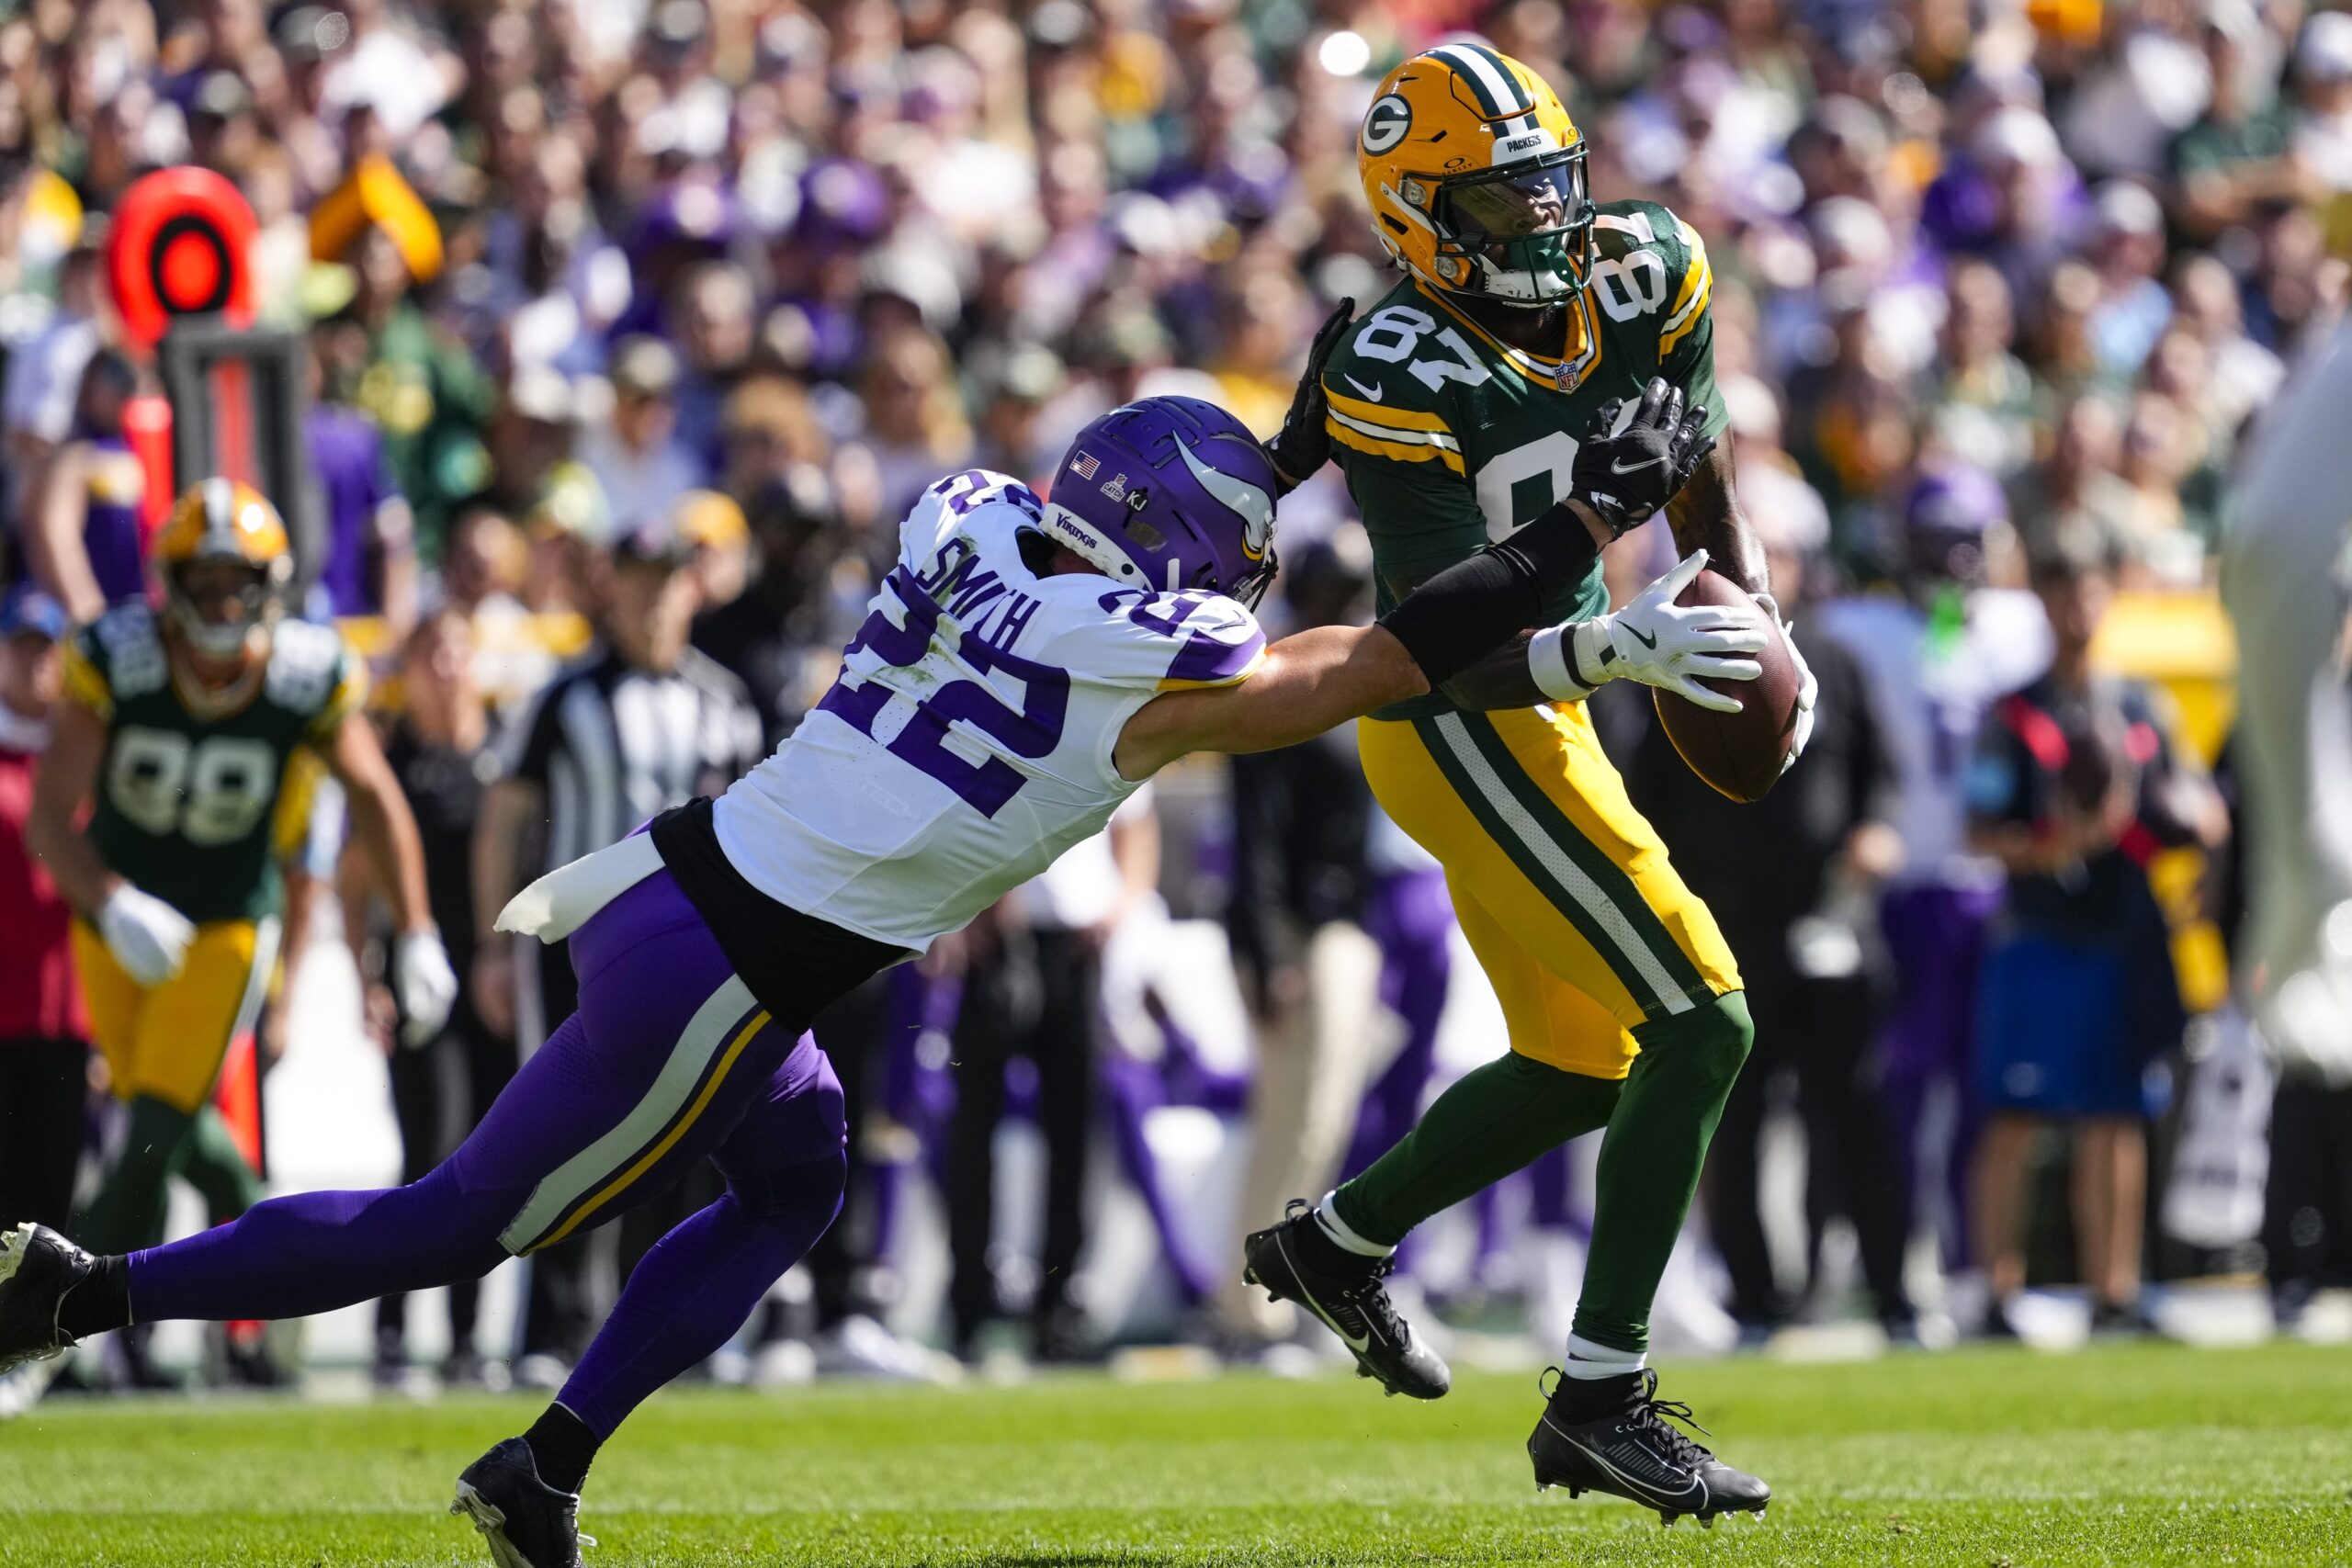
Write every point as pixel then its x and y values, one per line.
pixel 1951 509
pixel 1167 494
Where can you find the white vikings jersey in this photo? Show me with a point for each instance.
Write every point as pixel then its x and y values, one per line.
pixel 2281 558
pixel 1931 696
pixel 968 742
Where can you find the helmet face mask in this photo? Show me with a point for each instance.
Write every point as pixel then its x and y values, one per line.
pixel 1527 228
pixel 220 602
pixel 224 561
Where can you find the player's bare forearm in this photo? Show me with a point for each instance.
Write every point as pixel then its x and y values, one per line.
pixel 67 775
pixel 508 808
pixel 53 543
pixel 1308 683
pixel 382 824
pixel 1705 516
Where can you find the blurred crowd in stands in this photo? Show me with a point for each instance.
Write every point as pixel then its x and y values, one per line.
pixel 658 313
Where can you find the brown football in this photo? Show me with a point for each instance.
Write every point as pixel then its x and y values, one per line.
pixel 1739 754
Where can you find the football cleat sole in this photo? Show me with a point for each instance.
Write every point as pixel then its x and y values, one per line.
pixel 16 1245
pixel 1667 1517
pixel 489 1519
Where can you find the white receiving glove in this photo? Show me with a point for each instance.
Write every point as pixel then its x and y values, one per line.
pixel 147 936
pixel 425 985
pixel 1808 689
pixel 1656 641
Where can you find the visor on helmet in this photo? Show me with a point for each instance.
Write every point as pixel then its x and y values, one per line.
pixel 1530 222
pixel 1515 203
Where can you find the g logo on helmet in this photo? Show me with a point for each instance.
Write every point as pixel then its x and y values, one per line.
pixel 1386 122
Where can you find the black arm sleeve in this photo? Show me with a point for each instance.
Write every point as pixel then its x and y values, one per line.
pixel 1474 606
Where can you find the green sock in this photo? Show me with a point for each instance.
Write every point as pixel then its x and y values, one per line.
pixel 127 1213
pixel 212 1162
pixel 1496 1119
pixel 1650 1162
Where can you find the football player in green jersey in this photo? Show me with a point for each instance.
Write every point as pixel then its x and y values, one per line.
pixel 1456 407
pixel 179 730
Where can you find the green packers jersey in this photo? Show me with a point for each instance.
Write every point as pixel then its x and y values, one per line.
pixel 1451 439
pixel 186 796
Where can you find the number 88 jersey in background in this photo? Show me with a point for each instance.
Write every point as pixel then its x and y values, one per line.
pixel 968 742
pixel 1451 438
pixel 188 792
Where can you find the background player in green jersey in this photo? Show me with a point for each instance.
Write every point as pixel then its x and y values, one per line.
pixel 1455 408
pixel 179 730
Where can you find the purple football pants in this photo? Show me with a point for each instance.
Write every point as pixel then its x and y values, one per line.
pixel 667 1060
pixel 1934 933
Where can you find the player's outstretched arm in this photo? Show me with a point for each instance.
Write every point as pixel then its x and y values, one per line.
pixel 66 778
pixel 1308 683
pixel 1330 674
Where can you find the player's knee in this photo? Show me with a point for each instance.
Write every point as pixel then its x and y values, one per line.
pixel 1710 1041
pixel 802 1198
pixel 1726 1035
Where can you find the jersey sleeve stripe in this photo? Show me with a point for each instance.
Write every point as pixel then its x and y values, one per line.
pixel 1686 320
pixel 1250 667
pixel 1696 277
pixel 1397 448
pixel 82 680
pixel 1209 660
pixel 348 694
pixel 1370 412
pixel 1439 437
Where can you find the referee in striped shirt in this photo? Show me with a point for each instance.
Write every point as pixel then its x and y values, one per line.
pixel 640 723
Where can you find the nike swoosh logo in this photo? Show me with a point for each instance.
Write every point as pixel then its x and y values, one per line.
pixel 1350 1340
pixel 1696 1492
pixel 1369 394
pixel 1618 466
pixel 1650 642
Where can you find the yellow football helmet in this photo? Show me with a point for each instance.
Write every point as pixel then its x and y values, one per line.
pixel 215 522
pixel 1475 176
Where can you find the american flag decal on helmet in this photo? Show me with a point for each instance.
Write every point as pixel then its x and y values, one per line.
pixel 1084 465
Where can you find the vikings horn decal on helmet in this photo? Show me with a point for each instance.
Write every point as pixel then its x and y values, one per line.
pixel 1475 176
pixel 223 521
pixel 1169 494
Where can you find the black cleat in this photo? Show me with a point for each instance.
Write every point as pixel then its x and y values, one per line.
pixel 37 1267
pixel 1349 1299
pixel 526 1522
pixel 1632 1452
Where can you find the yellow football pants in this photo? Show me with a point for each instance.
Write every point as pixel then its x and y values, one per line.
pixel 168 1042
pixel 1564 890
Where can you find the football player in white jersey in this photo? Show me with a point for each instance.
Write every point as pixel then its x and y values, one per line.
pixel 1936 658
pixel 1026 666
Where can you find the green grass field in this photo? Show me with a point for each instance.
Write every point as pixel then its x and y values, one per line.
pixel 2126 1456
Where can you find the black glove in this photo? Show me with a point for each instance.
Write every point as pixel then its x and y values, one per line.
pixel 1302 444
pixel 1626 476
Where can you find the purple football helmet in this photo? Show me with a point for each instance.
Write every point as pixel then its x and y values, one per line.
pixel 1168 493
pixel 1949 511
